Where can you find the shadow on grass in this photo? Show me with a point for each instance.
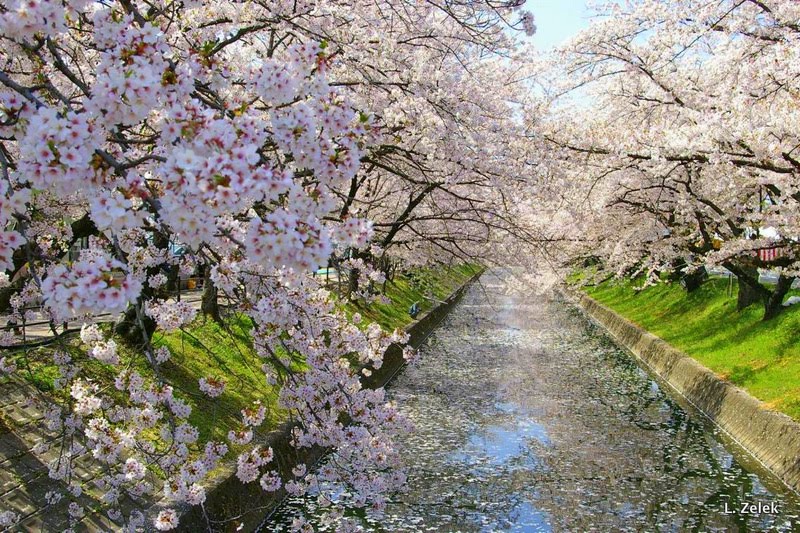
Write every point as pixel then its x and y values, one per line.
pixel 213 417
pixel 741 375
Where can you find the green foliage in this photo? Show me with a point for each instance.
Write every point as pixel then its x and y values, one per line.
pixel 761 357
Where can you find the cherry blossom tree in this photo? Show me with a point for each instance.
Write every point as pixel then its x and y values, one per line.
pixel 433 185
pixel 262 137
pixel 681 149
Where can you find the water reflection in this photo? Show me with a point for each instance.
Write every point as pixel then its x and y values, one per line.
pixel 529 419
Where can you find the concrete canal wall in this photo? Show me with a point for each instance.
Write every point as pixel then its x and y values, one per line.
pixel 772 438
pixel 245 506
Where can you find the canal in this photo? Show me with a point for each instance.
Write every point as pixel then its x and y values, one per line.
pixel 528 418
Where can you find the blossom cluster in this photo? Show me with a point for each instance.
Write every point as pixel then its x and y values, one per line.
pixel 97 284
pixel 59 151
pixel 170 315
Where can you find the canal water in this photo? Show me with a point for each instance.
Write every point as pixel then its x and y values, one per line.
pixel 528 418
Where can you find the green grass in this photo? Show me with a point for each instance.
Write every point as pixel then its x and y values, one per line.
pixel 761 357
pixel 207 349
pixel 418 286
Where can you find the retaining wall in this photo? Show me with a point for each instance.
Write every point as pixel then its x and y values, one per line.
pixel 249 503
pixel 772 438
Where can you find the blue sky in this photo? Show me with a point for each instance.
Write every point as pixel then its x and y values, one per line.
pixel 557 20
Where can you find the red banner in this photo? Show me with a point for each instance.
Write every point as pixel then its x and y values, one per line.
pixel 769 254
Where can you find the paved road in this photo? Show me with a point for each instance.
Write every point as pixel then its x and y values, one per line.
pixel 37 327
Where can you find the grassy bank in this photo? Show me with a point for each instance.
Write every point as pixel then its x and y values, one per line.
pixel 425 286
pixel 761 357
pixel 206 348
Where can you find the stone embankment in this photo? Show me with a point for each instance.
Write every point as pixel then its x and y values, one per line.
pixel 772 438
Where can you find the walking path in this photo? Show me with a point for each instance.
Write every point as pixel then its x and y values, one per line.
pixel 38 328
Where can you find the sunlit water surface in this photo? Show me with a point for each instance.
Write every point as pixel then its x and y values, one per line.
pixel 529 419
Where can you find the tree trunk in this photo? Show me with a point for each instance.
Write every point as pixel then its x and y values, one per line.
pixel 693 280
pixel 7 293
pixel 174 279
pixel 690 281
pixel 748 293
pixel 209 304
pixel 751 291
pixel 128 328
pixel 352 281
pixel 773 305
pixel 353 275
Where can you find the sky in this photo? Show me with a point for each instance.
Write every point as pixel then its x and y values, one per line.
pixel 557 20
